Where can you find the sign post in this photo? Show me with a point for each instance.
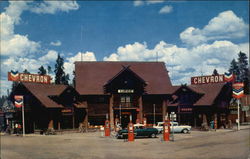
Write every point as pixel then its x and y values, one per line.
pixel 19 103
pixel 238 92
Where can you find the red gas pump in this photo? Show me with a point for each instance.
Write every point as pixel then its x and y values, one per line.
pixel 166 130
pixel 131 131
pixel 107 128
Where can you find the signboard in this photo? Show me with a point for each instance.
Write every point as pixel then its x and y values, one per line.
pixel 24 77
pixel 125 91
pixel 67 111
pixel 245 108
pixel 238 90
pixel 207 79
pixel 186 109
pixel 18 101
pixel 229 77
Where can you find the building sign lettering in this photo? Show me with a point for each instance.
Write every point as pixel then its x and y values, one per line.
pixel 125 91
pixel 24 77
pixel 207 79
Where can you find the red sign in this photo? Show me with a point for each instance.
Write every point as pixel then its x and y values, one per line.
pixel 18 101
pixel 238 90
pixel 207 79
pixel 24 77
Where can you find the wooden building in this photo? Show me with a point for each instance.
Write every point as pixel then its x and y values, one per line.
pixel 196 104
pixel 50 106
pixel 123 89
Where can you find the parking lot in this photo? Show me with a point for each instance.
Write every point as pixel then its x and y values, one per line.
pixel 92 145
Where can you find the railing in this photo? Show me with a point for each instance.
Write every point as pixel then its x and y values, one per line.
pixel 125 105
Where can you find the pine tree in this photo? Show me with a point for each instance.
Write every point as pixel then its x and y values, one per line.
pixel 215 72
pixel 42 71
pixel 74 79
pixel 49 69
pixel 61 77
pixel 26 71
pixel 242 65
pixel 243 71
pixel 234 68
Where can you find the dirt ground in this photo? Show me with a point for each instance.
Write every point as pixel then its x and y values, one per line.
pixel 222 144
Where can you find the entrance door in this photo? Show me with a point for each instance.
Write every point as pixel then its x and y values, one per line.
pixel 125 116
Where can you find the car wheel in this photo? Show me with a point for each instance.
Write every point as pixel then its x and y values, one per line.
pixel 185 131
pixel 153 135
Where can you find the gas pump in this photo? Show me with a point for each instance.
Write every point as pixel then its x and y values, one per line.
pixel 166 130
pixel 107 128
pixel 130 130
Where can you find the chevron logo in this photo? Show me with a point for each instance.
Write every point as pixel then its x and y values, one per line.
pixel 13 76
pixel 228 77
pixel 18 101
pixel 238 90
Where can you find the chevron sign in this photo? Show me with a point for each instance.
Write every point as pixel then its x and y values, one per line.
pixel 229 77
pixel 18 101
pixel 13 76
pixel 238 90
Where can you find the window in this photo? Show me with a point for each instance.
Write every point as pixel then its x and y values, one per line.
pixel 125 99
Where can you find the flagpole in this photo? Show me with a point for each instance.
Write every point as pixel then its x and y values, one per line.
pixel 23 119
pixel 238 114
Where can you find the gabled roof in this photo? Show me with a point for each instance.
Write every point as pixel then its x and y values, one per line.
pixel 209 92
pixel 43 91
pixel 126 68
pixel 92 76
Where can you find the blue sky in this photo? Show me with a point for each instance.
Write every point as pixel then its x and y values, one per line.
pixel 191 37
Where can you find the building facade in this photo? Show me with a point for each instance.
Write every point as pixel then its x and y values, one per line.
pixel 118 90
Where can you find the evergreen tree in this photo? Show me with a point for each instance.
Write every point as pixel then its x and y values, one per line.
pixel 61 77
pixel 215 72
pixel 49 69
pixel 26 71
pixel 242 65
pixel 240 69
pixel 42 71
pixel 234 68
pixel 74 79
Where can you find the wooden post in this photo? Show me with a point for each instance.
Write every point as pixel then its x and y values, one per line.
pixel 51 124
pixel 73 118
pixel 111 113
pixel 164 109
pixel 140 110
pixel 86 120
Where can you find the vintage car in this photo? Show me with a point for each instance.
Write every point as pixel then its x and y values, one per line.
pixel 174 126
pixel 139 131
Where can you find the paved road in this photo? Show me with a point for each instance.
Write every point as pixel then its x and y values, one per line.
pixel 197 145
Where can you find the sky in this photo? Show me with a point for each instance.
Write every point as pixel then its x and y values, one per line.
pixel 192 37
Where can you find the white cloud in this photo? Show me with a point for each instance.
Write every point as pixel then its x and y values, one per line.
pixel 69 62
pixel 148 2
pixel 49 57
pixel 56 43
pixel 138 3
pixel 18 50
pixel 166 9
pixel 183 62
pixel 18 45
pixel 225 26
pixel 51 7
